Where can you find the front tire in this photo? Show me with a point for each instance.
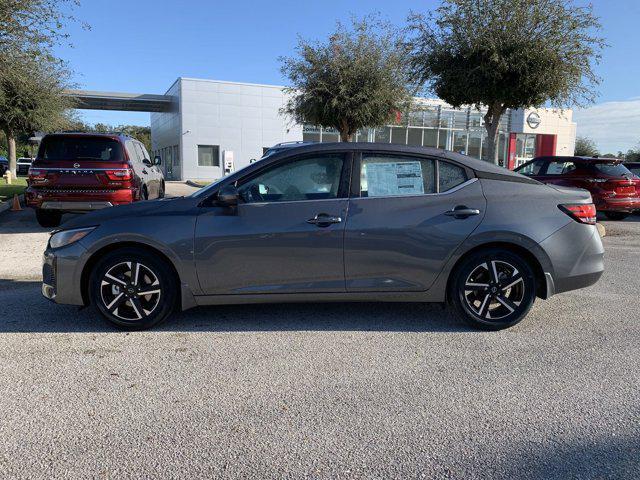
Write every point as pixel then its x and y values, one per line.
pixel 48 218
pixel 493 289
pixel 133 289
pixel 616 215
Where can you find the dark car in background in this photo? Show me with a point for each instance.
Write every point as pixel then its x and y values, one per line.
pixel 335 222
pixel 79 172
pixel 614 188
pixel 634 167
pixel 4 165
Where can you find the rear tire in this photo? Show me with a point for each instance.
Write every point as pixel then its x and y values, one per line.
pixel 118 282
pixel 493 289
pixel 616 215
pixel 161 192
pixel 48 218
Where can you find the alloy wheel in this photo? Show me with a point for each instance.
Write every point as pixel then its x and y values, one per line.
pixel 494 290
pixel 130 291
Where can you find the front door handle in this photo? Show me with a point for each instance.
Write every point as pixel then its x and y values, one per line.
pixel 324 220
pixel 462 211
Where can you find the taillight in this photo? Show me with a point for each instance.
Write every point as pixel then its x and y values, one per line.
pixel 121 175
pixel 37 174
pixel 581 212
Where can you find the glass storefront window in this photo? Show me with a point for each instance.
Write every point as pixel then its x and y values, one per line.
pixel 383 135
pixel 430 138
pixel 475 144
pixel 414 136
pixel 330 135
pixel 399 135
pixel 443 136
pixel 460 142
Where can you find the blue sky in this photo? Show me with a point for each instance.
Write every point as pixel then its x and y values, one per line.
pixel 144 45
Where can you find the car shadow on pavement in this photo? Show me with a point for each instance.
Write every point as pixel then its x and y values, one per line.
pixel 24 310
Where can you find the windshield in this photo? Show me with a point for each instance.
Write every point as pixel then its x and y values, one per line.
pixel 611 169
pixel 80 148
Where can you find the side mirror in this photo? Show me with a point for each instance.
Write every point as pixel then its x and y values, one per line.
pixel 157 160
pixel 228 196
pixel 147 162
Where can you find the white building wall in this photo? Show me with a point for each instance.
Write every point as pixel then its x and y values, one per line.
pixel 552 121
pixel 165 136
pixel 238 117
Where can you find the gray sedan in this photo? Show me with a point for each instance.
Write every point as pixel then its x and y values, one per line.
pixel 335 222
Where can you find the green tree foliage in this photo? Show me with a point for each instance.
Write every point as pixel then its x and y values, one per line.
pixel 31 28
pixel 31 100
pixel 507 54
pixel 356 79
pixel 585 147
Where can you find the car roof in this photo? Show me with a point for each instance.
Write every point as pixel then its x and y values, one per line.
pixel 113 136
pixel 483 168
pixel 577 158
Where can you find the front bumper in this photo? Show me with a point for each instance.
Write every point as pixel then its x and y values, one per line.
pixel 77 200
pixel 618 204
pixel 62 274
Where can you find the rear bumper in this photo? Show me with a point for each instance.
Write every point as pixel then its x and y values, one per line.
pixel 613 204
pixel 77 200
pixel 577 255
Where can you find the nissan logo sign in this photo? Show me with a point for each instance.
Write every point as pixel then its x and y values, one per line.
pixel 533 120
pixel 76 165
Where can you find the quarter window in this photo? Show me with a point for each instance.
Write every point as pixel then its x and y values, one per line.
pixel 532 168
pixel 450 176
pixel 392 176
pixel 208 156
pixel 313 178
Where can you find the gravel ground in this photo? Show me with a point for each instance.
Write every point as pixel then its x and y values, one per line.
pixel 322 391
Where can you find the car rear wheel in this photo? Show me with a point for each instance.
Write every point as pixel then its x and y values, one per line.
pixel 493 289
pixel 161 191
pixel 48 218
pixel 616 215
pixel 132 289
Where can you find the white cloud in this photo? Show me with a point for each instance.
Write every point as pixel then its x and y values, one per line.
pixel 613 126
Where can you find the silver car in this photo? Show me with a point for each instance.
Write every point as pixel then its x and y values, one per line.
pixel 334 223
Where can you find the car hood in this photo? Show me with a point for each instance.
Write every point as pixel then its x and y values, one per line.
pixel 136 209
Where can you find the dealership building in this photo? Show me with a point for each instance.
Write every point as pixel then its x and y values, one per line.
pixel 208 127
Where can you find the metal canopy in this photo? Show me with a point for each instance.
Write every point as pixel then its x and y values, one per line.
pixel 130 102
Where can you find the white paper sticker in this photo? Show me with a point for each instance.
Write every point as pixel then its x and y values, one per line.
pixel 394 178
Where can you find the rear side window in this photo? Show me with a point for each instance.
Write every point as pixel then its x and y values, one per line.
pixel 450 176
pixel 531 168
pixel 612 169
pixel 80 148
pixel 393 176
pixel 560 168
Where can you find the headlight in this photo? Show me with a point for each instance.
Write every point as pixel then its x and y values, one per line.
pixel 67 237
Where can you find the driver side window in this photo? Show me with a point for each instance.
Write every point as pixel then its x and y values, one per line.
pixel 311 178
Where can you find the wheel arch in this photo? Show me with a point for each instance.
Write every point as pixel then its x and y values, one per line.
pixel 542 288
pixel 100 253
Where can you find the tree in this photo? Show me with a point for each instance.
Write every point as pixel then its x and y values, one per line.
pixel 31 28
pixel 585 147
pixel 31 100
pixel 357 79
pixel 506 54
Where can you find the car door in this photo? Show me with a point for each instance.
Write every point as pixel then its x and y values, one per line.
pixel 407 215
pixel 285 236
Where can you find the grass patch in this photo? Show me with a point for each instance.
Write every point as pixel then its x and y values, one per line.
pixel 7 192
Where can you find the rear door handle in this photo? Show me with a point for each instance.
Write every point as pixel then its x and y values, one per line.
pixel 324 220
pixel 462 211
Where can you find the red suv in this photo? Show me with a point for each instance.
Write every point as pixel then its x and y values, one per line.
pixel 614 188
pixel 79 172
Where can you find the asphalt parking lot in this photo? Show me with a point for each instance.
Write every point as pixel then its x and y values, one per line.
pixel 321 391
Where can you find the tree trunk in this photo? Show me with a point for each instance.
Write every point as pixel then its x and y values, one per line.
pixel 345 133
pixel 491 123
pixel 11 146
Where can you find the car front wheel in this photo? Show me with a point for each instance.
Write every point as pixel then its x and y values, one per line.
pixel 132 289
pixel 493 289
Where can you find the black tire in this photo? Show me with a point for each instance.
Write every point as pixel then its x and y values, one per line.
pixel 161 192
pixel 144 195
pixel 117 296
pixel 485 303
pixel 48 218
pixel 616 215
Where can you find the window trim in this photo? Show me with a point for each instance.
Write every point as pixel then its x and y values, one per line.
pixel 214 157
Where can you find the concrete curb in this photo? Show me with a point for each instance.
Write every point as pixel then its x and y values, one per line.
pixel 601 230
pixel 4 206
